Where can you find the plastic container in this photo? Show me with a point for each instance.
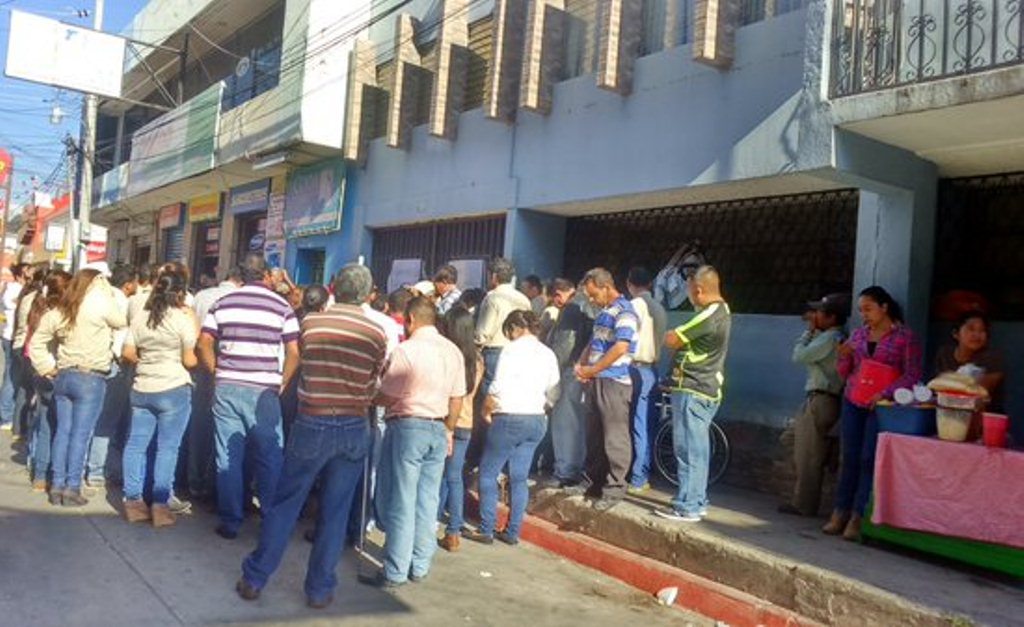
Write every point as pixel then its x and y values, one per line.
pixel 871 378
pixel 993 429
pixel 907 420
pixel 958 400
pixel 954 424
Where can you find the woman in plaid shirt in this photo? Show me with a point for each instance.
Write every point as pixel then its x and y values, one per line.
pixel 886 339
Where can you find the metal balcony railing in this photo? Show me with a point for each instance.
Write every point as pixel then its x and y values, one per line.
pixel 879 44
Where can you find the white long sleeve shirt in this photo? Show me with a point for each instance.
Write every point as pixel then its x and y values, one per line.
pixel 526 379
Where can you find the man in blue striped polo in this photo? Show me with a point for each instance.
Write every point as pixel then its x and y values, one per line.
pixel 242 340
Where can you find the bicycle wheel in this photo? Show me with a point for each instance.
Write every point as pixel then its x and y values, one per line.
pixel 665 453
pixel 720 454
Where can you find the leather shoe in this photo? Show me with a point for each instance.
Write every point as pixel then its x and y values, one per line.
pixel 224 532
pixel 507 538
pixel 476 536
pixel 379 581
pixel 246 590
pixel 852 531
pixel 450 542
pixel 319 604
pixel 836 523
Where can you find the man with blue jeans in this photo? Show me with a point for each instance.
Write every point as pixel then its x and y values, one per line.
pixel 568 338
pixel 422 391
pixel 643 371
pixel 701 346
pixel 342 357
pixel 250 327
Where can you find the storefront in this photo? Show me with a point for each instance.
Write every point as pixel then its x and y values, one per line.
pixel 248 205
pixel 140 240
pixel 172 233
pixel 204 219
pixel 312 211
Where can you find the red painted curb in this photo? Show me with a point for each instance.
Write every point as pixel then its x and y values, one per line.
pixel 712 599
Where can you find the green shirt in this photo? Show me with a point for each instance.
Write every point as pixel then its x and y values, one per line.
pixel 817 351
pixel 699 366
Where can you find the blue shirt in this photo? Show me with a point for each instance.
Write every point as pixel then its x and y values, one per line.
pixel 616 323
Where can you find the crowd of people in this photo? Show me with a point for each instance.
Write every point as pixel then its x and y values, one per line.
pixel 257 394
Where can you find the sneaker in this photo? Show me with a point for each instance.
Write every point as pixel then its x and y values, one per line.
pixel 703 512
pixel 417 578
pixel 637 490
pixel 178 506
pixel 379 581
pixel 669 513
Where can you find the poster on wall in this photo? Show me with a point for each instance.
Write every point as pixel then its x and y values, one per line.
pixel 249 197
pixel 314 199
pixel 404 272
pixel 273 252
pixel 471 272
pixel 275 217
pixel 169 217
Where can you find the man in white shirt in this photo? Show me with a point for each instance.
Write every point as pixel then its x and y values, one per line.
pixel 12 290
pixel 644 372
pixel 207 297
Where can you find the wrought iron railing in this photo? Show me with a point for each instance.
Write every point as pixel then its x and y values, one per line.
pixel 879 44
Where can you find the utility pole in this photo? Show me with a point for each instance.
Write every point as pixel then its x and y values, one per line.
pixel 88 145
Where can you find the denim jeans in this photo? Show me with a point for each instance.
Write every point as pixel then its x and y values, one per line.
pixel 479 436
pixel 78 397
pixel 691 420
pixel 246 418
pixel 569 429
pixel 165 415
pixel 511 439
pixel 107 445
pixel 643 425
pixel 453 488
pixel 7 386
pixel 409 484
pixel 21 376
pixel 44 424
pixel 858 437
pixel 199 443
pixel 334 449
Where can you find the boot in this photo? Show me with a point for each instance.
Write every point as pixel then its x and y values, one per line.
pixel 56 496
pixel 836 523
pixel 136 510
pixel 162 516
pixel 852 531
pixel 73 498
pixel 450 542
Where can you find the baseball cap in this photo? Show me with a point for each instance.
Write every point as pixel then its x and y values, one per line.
pixel 425 288
pixel 837 304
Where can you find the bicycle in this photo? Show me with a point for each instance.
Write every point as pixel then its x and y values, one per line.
pixel 664 451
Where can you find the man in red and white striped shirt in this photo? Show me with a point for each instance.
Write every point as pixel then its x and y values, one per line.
pixel 343 354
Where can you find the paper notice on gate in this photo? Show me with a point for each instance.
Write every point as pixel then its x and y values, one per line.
pixel 471 273
pixel 404 272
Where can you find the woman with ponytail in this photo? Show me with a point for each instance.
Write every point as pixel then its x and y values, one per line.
pixel 82 326
pixel 161 343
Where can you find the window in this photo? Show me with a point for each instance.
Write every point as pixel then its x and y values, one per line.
pixel 255 73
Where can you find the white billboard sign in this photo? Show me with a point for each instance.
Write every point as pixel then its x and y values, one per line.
pixel 46 51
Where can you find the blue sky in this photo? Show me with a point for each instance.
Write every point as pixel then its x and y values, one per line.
pixel 25 129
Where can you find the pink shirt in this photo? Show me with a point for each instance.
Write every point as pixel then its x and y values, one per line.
pixel 425 372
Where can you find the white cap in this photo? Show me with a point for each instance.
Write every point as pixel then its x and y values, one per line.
pixel 424 287
pixel 99 266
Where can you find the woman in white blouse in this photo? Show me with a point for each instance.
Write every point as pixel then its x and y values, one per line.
pixel 525 385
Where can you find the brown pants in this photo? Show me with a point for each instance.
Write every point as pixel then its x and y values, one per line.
pixel 817 417
pixel 609 444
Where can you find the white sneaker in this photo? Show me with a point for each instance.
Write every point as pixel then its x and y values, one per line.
pixel 670 513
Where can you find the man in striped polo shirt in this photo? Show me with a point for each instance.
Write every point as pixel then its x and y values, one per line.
pixel 343 354
pixel 608 390
pixel 241 342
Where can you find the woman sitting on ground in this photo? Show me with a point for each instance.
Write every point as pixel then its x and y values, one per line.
pixel 525 385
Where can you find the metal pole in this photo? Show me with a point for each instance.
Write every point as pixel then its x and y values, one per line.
pixel 88 154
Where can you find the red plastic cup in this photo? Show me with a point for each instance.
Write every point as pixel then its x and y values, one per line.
pixel 994 427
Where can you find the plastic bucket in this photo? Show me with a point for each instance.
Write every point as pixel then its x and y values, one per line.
pixel 954 424
pixel 906 420
pixel 871 378
pixel 994 428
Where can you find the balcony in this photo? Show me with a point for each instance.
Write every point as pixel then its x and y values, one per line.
pixel 882 44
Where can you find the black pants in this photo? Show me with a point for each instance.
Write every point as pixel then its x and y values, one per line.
pixel 609 446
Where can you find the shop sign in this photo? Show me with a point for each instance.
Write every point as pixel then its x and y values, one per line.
pixel 314 199
pixel 273 252
pixel 249 197
pixel 275 216
pixel 204 208
pixel 169 216
pixel 55 235
pixel 256 243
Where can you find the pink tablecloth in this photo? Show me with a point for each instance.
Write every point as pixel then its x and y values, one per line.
pixel 950 488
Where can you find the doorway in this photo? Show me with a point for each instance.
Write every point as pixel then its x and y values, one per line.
pixel 252 231
pixel 309 266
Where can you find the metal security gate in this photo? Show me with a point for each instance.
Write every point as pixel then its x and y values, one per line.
pixel 436 243
pixel 774 253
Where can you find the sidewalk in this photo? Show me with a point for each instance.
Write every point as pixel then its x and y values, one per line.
pixel 745 544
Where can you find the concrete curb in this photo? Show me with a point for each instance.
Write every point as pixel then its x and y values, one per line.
pixel 697 594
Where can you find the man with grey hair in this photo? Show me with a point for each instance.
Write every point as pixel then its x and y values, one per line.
pixel 342 359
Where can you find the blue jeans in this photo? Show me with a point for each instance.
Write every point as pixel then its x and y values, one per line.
pixel 246 417
pixel 335 449
pixel 691 420
pixel 78 397
pixel 7 387
pixel 453 489
pixel 643 426
pixel 44 423
pixel 21 376
pixel 511 439
pixel 164 414
pixel 409 484
pixel 569 429
pixel 108 438
pixel 858 437
pixel 479 436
